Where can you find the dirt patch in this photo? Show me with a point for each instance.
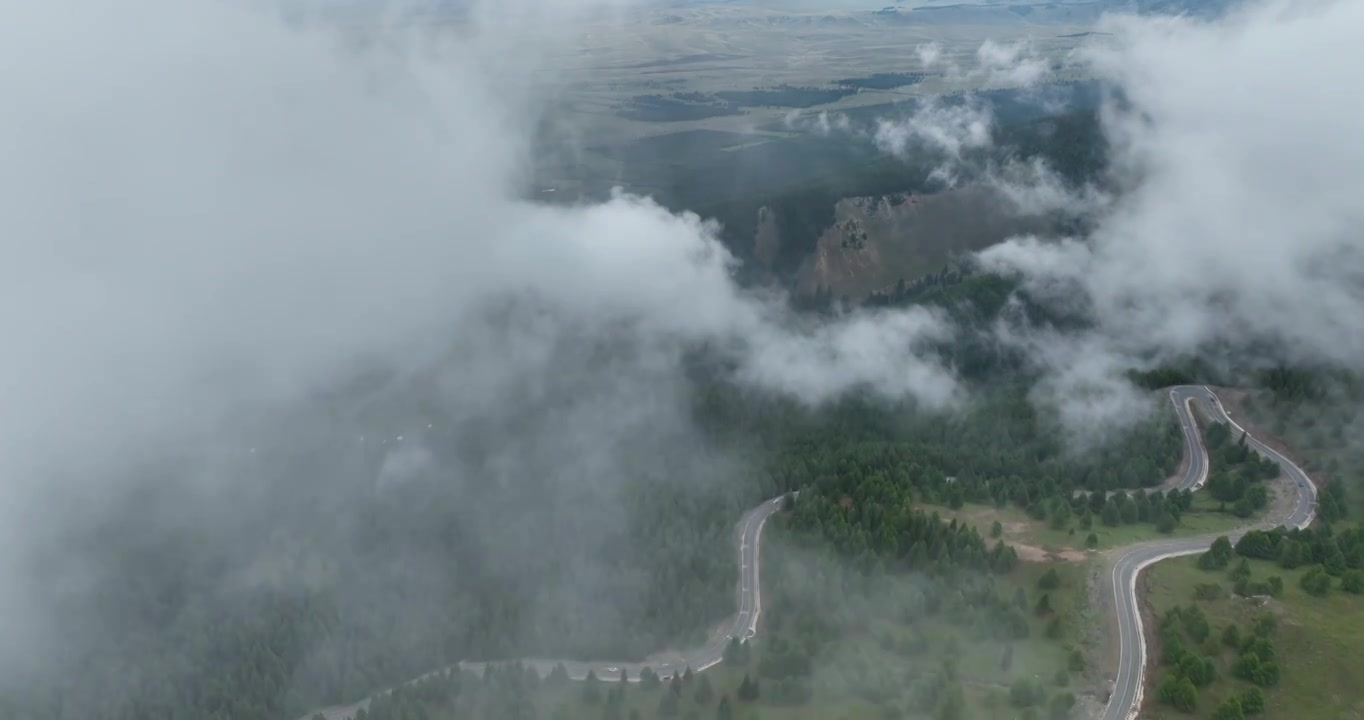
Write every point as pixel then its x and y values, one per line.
pixel 1032 553
pixel 1088 706
pixel 1149 623
pixel 1016 535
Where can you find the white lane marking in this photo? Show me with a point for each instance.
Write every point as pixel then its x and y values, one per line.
pixel 1265 451
pixel 715 654
pixel 1141 631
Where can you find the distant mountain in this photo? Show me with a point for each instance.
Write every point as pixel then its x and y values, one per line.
pixel 1192 8
pixel 1077 13
pixel 1042 13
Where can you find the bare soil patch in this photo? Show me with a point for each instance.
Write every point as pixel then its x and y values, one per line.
pixel 1149 623
pixel 1016 535
pixel 1032 553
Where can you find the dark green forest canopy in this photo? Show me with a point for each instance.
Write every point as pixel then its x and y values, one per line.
pixel 355 590
pixel 294 595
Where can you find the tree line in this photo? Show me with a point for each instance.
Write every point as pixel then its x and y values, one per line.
pixel 1190 652
pixel 1333 557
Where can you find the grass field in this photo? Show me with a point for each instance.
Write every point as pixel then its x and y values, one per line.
pixel 1320 643
pixel 1203 517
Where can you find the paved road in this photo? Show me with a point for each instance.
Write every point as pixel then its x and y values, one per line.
pixel 748 533
pixel 1125 701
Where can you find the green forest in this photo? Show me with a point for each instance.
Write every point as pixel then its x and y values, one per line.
pixel 305 587
pixel 383 588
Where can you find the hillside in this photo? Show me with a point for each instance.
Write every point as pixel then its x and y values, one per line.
pixel 877 242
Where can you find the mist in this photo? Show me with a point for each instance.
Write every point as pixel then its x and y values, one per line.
pixel 244 252
pixel 1236 237
pixel 1225 227
pixel 247 252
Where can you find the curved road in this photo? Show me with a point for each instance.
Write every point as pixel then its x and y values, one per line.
pixel 1125 701
pixel 744 625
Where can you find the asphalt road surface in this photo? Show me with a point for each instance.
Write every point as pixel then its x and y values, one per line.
pixel 748 533
pixel 1125 701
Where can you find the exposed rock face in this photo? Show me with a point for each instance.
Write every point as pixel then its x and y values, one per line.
pixel 767 239
pixel 876 241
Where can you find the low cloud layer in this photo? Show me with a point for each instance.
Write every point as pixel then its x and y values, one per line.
pixel 951 129
pixel 946 129
pixel 1240 229
pixel 208 215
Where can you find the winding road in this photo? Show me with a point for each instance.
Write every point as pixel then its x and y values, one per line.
pixel 1125 700
pixel 744 625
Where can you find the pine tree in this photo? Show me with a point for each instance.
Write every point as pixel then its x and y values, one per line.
pixel 723 711
pixel 705 693
pixel 748 689
pixel 591 688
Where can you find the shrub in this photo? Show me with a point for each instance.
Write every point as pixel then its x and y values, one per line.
pixel 1208 591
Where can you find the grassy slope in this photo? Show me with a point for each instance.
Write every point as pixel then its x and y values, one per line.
pixel 1320 641
pixel 1202 517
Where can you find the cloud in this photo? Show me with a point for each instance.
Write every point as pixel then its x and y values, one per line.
pixel 1240 229
pixel 855 353
pixel 929 53
pixel 210 217
pixel 1010 63
pixel 948 129
pixel 824 124
pixel 1081 379
pixel 1032 187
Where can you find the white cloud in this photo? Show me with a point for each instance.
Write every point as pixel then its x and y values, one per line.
pixel 1032 187
pixel 1012 64
pixel 1242 225
pixel 823 123
pixel 929 54
pixel 207 215
pixel 946 129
